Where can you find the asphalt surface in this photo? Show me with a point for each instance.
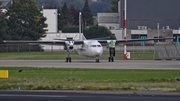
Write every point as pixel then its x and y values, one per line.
pixel 85 96
pixel 104 64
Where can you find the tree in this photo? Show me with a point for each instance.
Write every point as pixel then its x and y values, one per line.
pixel 51 3
pixel 47 6
pixel 75 14
pixel 25 21
pixel 70 29
pixel 99 6
pixel 114 5
pixel 87 16
pixel 3 27
pixel 96 31
pixel 65 17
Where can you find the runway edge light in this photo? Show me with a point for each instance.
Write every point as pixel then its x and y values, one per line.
pixel 4 74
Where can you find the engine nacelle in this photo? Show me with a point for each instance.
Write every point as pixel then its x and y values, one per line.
pixel 68 48
pixel 71 47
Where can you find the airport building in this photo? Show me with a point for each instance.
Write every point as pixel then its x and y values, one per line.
pixel 148 13
pixel 145 19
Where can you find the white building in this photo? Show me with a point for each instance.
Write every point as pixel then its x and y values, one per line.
pixel 52 20
pixel 52 30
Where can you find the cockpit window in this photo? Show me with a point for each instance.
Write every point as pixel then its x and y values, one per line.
pixel 98 45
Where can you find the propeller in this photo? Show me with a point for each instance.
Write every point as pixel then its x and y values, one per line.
pixel 69 42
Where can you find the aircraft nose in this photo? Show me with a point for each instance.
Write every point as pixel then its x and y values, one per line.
pixel 98 52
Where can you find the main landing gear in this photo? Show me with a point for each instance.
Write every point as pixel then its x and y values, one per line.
pixel 112 54
pixel 68 59
pixel 97 60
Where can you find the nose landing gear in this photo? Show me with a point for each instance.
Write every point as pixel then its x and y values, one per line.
pixel 68 59
pixel 97 60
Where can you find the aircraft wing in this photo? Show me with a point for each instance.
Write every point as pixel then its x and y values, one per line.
pixel 132 40
pixel 36 41
pixel 137 40
pixel 47 42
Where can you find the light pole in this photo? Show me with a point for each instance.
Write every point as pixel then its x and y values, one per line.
pixel 124 27
pixel 158 30
pixel 80 25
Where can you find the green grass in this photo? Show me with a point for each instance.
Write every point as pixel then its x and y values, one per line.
pixel 63 55
pixel 90 79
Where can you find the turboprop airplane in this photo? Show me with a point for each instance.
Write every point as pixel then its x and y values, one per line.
pixel 87 48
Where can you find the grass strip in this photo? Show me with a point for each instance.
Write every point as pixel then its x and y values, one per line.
pixel 90 79
pixel 74 55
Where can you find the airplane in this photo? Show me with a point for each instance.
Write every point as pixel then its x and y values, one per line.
pixel 88 48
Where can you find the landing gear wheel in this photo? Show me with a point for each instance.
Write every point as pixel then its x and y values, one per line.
pixel 68 59
pixel 97 60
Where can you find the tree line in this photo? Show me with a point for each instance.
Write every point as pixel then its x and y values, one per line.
pixel 99 6
pixel 24 21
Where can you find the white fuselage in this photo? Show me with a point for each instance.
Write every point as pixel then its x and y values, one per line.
pixel 90 48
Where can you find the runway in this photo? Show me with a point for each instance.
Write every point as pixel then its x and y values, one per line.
pixel 104 64
pixel 85 96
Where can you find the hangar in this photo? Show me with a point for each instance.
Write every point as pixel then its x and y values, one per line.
pixel 145 19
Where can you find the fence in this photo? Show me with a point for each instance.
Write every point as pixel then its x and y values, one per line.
pixel 168 50
pixel 20 48
pixel 52 48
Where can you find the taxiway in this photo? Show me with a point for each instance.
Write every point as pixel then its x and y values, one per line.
pixel 104 64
